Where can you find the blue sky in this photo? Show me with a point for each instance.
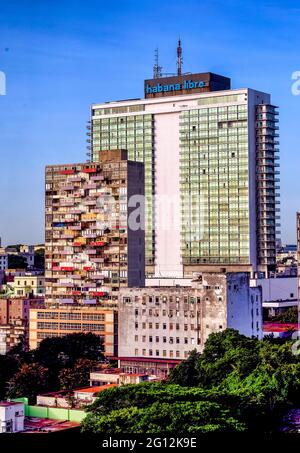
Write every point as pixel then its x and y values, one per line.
pixel 60 56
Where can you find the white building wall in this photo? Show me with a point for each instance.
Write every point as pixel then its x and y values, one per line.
pixel 11 412
pixel 167 201
pixel 244 306
pixel 278 289
pixel 254 98
pixel 166 111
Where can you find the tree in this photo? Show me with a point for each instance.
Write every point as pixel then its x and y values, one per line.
pixel 185 373
pixel 63 352
pixel 264 374
pixel 8 367
pixel 77 376
pixel 159 407
pixel 17 262
pixel 29 381
pixel 288 316
pixel 39 258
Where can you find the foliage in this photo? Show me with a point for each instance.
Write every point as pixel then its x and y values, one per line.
pixel 159 407
pixel 288 316
pixel 77 376
pixel 8 367
pixel 17 262
pixel 61 361
pixel 248 382
pixel 63 352
pixel 30 380
pixel 39 258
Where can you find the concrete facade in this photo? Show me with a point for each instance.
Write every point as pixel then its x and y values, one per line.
pixel 89 251
pixel 278 294
pixel 215 152
pixel 58 321
pixel 26 285
pixel 11 417
pixel 169 322
pixel 3 261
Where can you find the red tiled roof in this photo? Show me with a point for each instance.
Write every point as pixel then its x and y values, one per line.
pixel 95 389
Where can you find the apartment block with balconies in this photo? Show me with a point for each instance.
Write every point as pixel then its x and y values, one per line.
pixel 90 253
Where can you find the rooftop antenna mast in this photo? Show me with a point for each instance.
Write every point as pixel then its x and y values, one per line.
pixel 179 57
pixel 157 69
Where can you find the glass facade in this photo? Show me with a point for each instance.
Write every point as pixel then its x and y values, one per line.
pixel 214 185
pixel 134 133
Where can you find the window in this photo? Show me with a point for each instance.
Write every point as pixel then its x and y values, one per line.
pixel 171 340
pixel 150 352
pixel 136 338
pixel 150 339
pixel 177 340
pixel 164 326
pixel 157 339
pixel 136 352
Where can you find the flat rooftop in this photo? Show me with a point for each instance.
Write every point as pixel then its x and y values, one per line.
pixel 9 403
pixel 46 425
pixel 96 389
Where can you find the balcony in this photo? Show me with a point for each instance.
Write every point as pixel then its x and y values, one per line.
pixel 90 170
pixel 67 172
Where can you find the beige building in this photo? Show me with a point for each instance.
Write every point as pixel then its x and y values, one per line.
pixel 55 322
pixel 169 322
pixel 25 285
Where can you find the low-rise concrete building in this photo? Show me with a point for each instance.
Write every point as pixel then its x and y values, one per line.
pixel 14 320
pixel 11 417
pixel 116 376
pixel 278 294
pixel 29 284
pixel 58 321
pixel 3 261
pixel 169 322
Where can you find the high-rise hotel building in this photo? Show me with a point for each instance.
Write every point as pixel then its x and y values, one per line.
pixel 211 172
